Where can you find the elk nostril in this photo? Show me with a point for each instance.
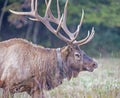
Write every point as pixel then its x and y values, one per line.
pixel 95 65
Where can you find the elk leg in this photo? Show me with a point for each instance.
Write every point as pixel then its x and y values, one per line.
pixel 11 95
pixel 38 94
pixel 7 94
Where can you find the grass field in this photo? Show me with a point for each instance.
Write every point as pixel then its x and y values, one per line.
pixel 104 82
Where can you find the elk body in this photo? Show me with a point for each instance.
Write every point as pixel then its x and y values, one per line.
pixel 31 68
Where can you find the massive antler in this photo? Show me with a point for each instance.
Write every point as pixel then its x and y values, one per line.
pixel 60 21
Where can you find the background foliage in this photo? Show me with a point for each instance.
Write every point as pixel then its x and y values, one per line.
pixel 104 15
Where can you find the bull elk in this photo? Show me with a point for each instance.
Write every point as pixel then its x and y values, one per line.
pixel 27 67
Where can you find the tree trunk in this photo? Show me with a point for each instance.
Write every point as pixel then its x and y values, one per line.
pixel 29 30
pixel 2 13
pixel 35 32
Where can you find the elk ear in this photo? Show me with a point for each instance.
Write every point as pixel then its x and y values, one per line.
pixel 66 50
pixel 70 48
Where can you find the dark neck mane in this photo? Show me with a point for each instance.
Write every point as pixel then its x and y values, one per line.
pixel 55 76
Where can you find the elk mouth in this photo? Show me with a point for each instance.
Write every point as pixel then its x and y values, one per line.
pixel 88 69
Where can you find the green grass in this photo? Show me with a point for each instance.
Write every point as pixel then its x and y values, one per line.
pixel 104 82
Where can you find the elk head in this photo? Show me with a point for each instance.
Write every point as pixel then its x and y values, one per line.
pixel 75 58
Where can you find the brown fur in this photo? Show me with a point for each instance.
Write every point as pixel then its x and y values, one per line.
pixel 31 68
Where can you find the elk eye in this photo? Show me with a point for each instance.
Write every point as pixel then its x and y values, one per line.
pixel 77 56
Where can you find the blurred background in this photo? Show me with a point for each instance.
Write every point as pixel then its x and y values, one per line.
pixel 104 15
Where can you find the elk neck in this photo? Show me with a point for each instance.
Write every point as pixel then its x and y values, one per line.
pixel 60 63
pixel 59 58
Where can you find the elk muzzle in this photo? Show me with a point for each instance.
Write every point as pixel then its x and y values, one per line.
pixel 89 64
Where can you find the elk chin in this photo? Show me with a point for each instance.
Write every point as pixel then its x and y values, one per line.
pixel 88 69
pixel 75 72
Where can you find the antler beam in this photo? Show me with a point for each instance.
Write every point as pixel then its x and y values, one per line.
pixel 60 21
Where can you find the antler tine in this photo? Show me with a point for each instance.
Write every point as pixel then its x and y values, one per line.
pixel 57 20
pixel 32 5
pixel 79 26
pixel 31 13
pixel 58 9
pixel 57 33
pixel 48 8
pixel 49 14
pixel 36 5
pixel 65 12
pixel 21 13
pixel 87 39
pixel 59 26
pixel 73 35
pixel 64 27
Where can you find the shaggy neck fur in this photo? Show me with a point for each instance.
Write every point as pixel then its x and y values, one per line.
pixel 60 63
pixel 37 67
pixel 59 58
pixel 55 69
